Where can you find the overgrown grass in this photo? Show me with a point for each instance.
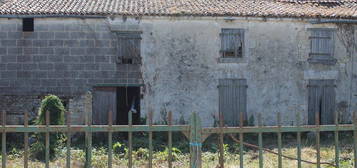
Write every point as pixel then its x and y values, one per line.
pixel 209 155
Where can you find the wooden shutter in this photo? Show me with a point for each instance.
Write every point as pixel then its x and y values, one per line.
pixel 321 44
pixel 129 46
pixel 232 100
pixel 104 100
pixel 232 42
pixel 321 100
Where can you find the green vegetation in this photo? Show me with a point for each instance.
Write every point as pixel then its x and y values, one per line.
pixel 53 105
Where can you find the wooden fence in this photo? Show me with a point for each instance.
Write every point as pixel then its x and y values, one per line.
pixel 193 131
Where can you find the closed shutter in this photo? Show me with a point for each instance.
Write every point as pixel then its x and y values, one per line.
pixel 321 101
pixel 232 100
pixel 232 42
pixel 322 46
pixel 129 47
pixel 104 100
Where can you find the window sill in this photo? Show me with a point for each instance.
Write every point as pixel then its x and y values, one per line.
pixel 230 60
pixel 328 61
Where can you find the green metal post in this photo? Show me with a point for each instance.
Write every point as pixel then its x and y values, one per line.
pixel 298 140
pixel 195 141
pixel 110 140
pixel 337 145
pixel 280 160
pixel 68 144
pixel 355 138
pixel 3 142
pixel 260 142
pixel 150 141
pixel 130 139
pixel 170 139
pixel 47 143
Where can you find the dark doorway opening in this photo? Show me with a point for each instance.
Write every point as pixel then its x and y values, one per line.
pixel 128 99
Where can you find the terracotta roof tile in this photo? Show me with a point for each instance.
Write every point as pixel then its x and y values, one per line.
pixel 274 8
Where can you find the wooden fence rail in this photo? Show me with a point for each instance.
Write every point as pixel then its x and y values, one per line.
pixel 193 131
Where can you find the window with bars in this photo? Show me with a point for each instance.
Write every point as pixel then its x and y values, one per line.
pixel 232 43
pixel 321 101
pixel 321 46
pixel 129 47
pixel 233 101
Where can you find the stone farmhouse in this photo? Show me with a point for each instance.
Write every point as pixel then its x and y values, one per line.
pixel 206 56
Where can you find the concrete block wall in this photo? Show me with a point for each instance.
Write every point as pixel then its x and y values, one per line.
pixel 66 57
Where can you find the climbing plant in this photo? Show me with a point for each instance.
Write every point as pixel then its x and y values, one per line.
pixel 53 105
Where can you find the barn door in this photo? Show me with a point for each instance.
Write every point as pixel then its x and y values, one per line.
pixel 321 101
pixel 104 100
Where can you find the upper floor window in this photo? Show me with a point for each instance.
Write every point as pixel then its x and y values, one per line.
pixel 321 46
pixel 129 47
pixel 232 43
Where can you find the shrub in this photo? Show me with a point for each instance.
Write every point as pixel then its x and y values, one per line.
pixel 54 106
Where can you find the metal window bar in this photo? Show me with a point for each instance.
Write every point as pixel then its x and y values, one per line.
pixel 298 137
pixel 280 160
pixel 260 142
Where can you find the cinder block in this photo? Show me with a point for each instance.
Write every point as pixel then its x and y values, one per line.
pixel 55 74
pixel 8 58
pixel 24 43
pixel 78 35
pixel 9 74
pixel 45 51
pixel 24 58
pixel 78 51
pixel 71 59
pixel 46 66
pixel 8 43
pixel 55 43
pixel 46 35
pixel 30 51
pixel 24 74
pixel 61 35
pixel 71 43
pixel 62 51
pixel 29 66
pixel 86 59
pixel 13 66
pixel 40 43
pixel 40 58
pixel 55 58
pixel 15 51
pixel 86 43
pixel 14 35
pixel 91 67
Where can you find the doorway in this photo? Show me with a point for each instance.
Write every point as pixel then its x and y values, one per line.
pixel 118 100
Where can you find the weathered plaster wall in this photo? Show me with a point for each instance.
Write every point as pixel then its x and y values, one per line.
pixel 181 69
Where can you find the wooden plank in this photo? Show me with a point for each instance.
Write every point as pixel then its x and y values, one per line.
pixel 104 100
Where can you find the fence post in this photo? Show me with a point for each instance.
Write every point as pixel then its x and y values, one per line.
pixel 195 141
pixel 88 134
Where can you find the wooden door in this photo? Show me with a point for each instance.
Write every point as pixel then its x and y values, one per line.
pixel 104 100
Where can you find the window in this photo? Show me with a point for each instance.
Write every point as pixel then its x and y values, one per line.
pixel 233 100
pixel 129 44
pixel 27 25
pixel 321 46
pixel 232 43
pixel 321 101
